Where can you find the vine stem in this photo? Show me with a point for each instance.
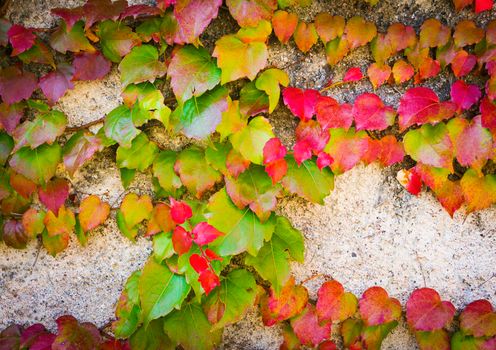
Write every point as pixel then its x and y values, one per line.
pixel 339 83
pixel 326 276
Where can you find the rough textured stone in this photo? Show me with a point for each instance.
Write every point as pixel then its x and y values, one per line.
pixel 370 231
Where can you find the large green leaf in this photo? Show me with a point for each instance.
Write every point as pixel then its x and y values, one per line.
pixel 243 230
pixel 119 126
pixel 272 261
pixel 37 164
pixel 163 170
pixel 116 39
pixel 237 293
pixel 139 156
pixel 160 291
pixel 251 140
pixel 152 337
pixel 269 82
pixel 192 72
pixel 140 65
pixel 199 116
pixel 190 328
pixel 308 181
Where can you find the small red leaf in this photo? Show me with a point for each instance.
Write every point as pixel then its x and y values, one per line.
pixel 208 281
pixel 181 240
pixel 462 63
pixel 334 304
pixel 301 102
pixel 21 39
pixel 90 66
pixel 391 151
pixel 426 312
pixel 324 160
pixel 464 95
pixel 198 263
pixel 376 307
pixel 488 113
pixel 69 15
pixel 483 5
pixel 204 233
pixel 302 151
pixel 56 83
pixel 328 345
pixel 180 211
pixel 353 74
pixel 308 329
pixel 211 255
pixel 277 170
pixel 410 180
pixel 54 195
pixel 371 114
pixel 378 74
pixel 273 150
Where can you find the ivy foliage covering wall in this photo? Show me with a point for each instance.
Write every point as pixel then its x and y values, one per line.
pixel 219 247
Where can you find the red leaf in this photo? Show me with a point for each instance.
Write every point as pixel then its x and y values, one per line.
pixel 180 211
pixel 420 105
pixel 198 263
pixel 301 102
pixel 21 39
pixel 54 195
pixel 10 116
pixel 463 63
pixel 483 5
pixel 277 170
pixel 324 160
pixel 69 15
pixel 211 255
pixel 56 83
pixel 273 150
pixel 426 312
pixel 75 335
pixel 376 307
pixel 328 345
pixel 488 113
pixel 330 114
pixel 410 180
pixel 90 66
pixel 163 4
pixel 22 185
pixel 353 74
pixel 16 85
pixel 14 235
pixel 391 151
pixel 308 329
pixel 98 10
pixel 290 301
pixel 43 342
pixel 302 151
pixel 334 304
pixel 114 344
pixel 181 240
pixel 478 319
pixel 204 233
pixel 378 74
pixel 428 68
pixel 311 132
pixel 208 281
pixel 371 114
pixel 347 148
pixel 236 163
pixel 161 220
pixel 193 17
pixel 464 95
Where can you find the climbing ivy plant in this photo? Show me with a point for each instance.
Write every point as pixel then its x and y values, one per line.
pixel 219 247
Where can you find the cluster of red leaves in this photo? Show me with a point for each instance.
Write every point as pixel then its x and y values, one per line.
pixel 70 335
pixel 366 322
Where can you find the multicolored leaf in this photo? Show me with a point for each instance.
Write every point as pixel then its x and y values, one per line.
pixel 141 64
pixel 116 40
pixel 92 212
pixel 16 84
pixel 377 308
pixel 37 164
pixel 284 25
pixel 334 304
pixel 426 312
pixel 307 328
pixel 249 12
pixel 371 114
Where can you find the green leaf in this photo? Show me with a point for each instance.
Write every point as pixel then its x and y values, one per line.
pixel 192 72
pixel 160 291
pixel 139 156
pixel 74 40
pixel 140 65
pixel 232 120
pixel 272 261
pixel 253 101
pixel 269 82
pixel 373 336
pixel 199 116
pixel 54 244
pixel 128 311
pixel 127 176
pixel 254 188
pixel 119 126
pixel 190 328
pixel 459 341
pixel 37 164
pixel 243 230
pixel 308 181
pixel 194 171
pixel 116 39
pixel 6 146
pixel 152 337
pixel 237 293
pixel 251 140
pixel 216 156
pixel 45 128
pixel 162 246
pixel 163 170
